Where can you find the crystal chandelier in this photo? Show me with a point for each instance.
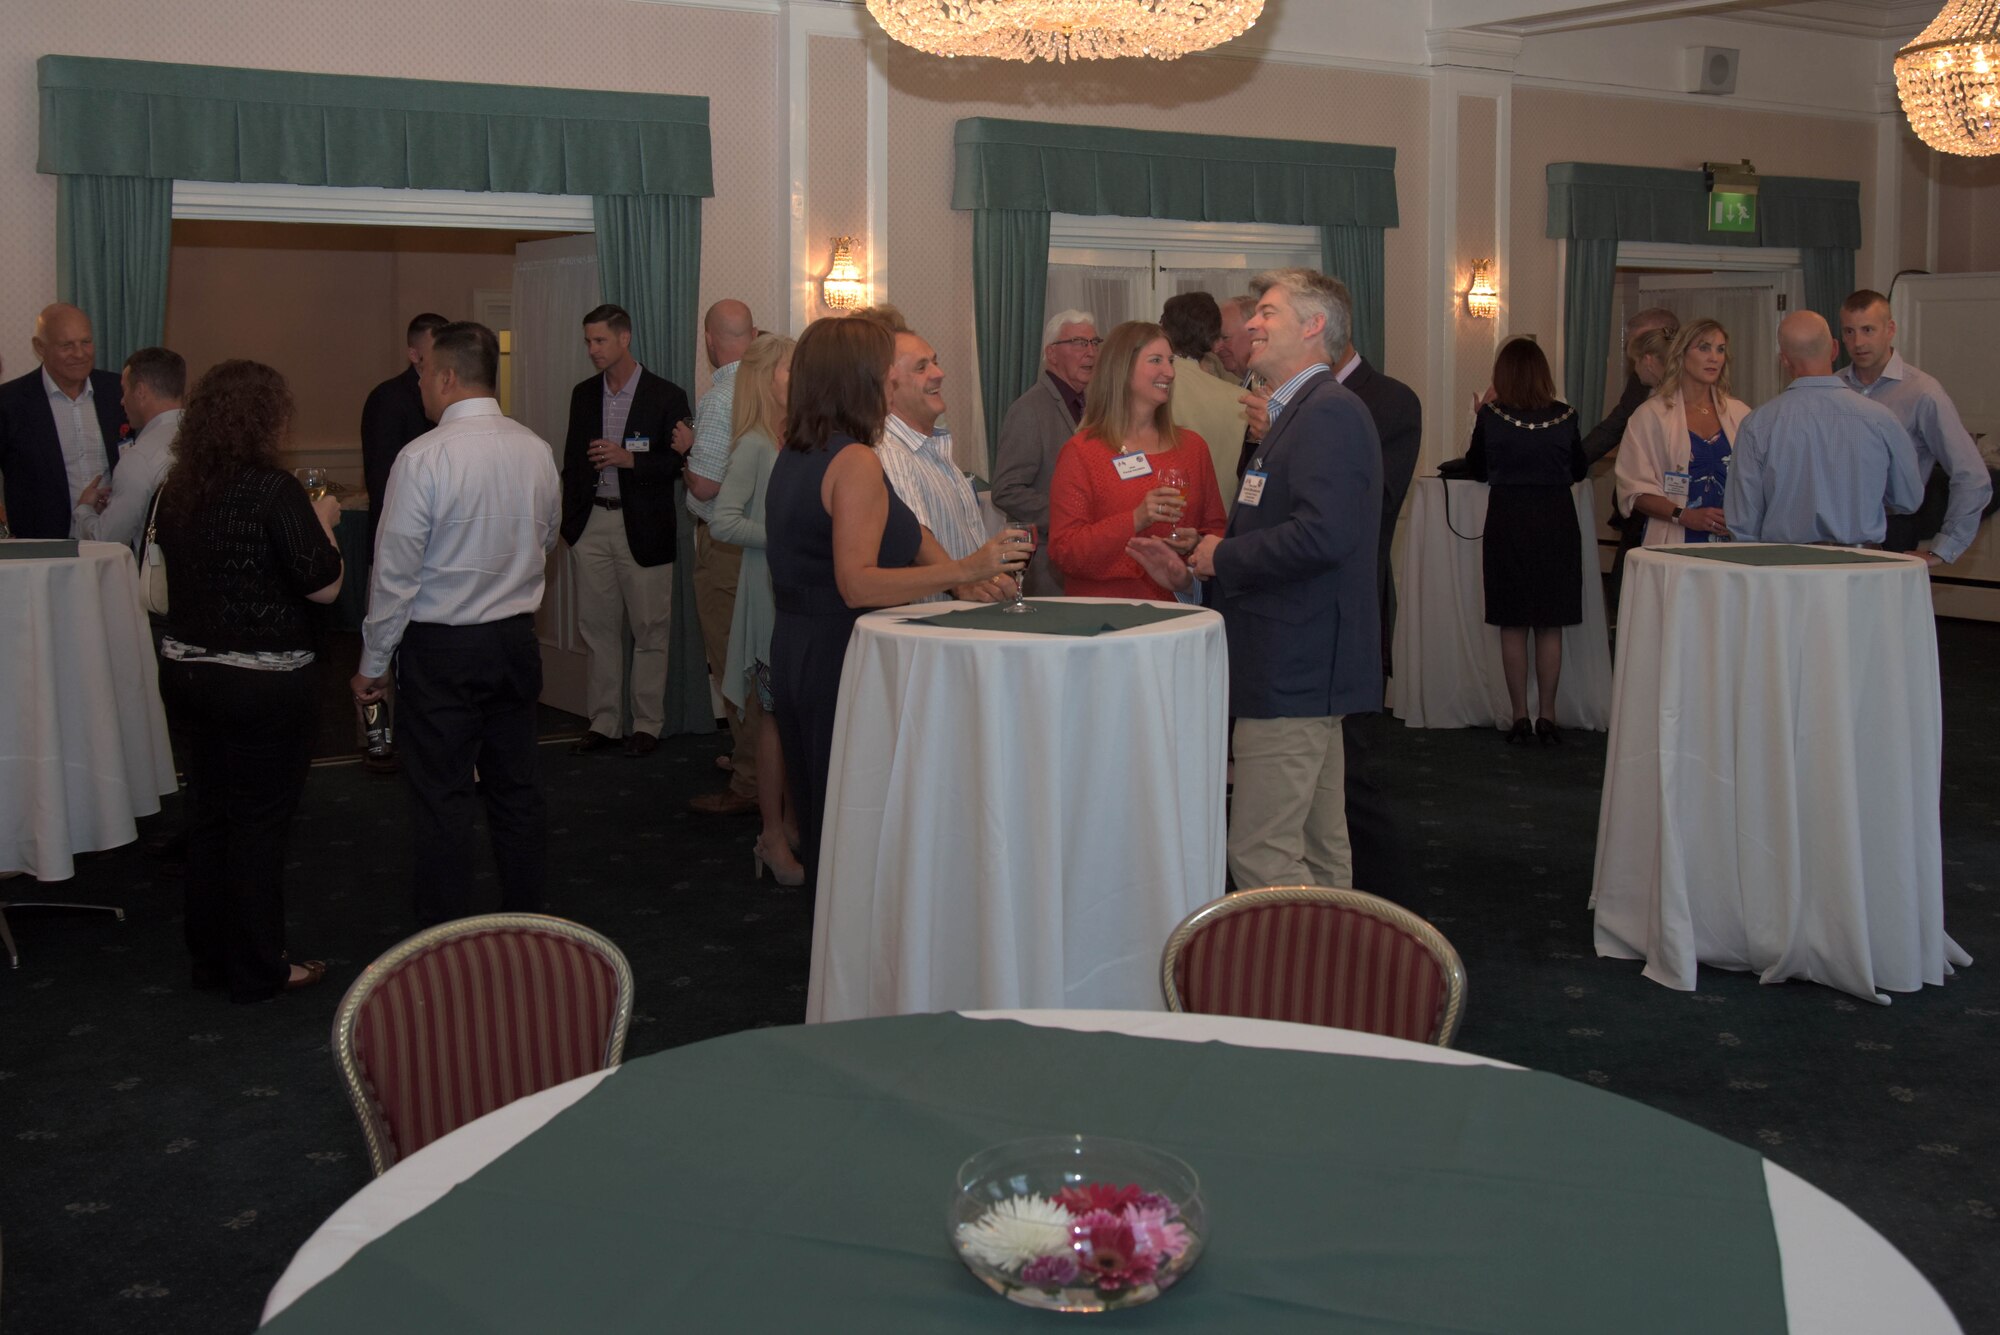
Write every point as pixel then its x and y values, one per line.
pixel 1949 79
pixel 1063 30
pixel 842 288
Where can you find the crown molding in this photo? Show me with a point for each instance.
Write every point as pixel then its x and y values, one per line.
pixel 1464 48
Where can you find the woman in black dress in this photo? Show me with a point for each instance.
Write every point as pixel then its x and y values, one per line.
pixel 246 551
pixel 1526 447
pixel 840 541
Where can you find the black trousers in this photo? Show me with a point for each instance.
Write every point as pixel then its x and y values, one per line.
pixel 1372 836
pixel 250 746
pixel 466 696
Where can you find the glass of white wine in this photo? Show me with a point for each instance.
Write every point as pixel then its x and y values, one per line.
pixel 314 480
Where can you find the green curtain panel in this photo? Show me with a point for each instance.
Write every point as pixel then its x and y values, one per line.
pixel 1354 255
pixel 1592 272
pixel 209 123
pixel 1829 272
pixel 114 235
pixel 1010 281
pixel 649 262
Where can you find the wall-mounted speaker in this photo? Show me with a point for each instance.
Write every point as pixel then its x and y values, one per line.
pixel 1712 69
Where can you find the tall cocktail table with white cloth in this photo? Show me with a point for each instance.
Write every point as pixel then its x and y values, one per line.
pixel 1771 783
pixel 1448 672
pixel 83 739
pixel 1017 819
pixel 1838 1275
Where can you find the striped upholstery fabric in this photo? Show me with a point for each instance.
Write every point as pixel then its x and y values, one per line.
pixel 477 1021
pixel 1313 963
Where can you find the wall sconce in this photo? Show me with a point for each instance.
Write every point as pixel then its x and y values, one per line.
pixel 1482 299
pixel 842 288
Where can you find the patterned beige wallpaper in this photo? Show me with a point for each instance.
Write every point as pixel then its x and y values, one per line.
pixel 837 152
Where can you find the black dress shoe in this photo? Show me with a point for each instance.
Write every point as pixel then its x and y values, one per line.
pixel 1522 731
pixel 591 741
pixel 1550 734
pixel 641 744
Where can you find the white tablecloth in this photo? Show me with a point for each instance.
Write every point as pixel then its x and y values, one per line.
pixel 1017 820
pixel 83 740
pixel 1448 671
pixel 1841 1277
pixel 1771 785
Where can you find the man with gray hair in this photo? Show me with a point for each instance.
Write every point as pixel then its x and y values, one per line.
pixel 1036 427
pixel 1294 579
pixel 1819 463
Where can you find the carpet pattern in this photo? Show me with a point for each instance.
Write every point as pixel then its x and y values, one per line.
pixel 165 1153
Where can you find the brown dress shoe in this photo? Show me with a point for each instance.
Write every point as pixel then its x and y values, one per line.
pixel 641 744
pixel 591 741
pixel 724 803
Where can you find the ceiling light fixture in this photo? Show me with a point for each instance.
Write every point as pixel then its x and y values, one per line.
pixel 1064 30
pixel 1949 79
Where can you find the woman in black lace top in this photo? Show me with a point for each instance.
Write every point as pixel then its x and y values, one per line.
pixel 245 551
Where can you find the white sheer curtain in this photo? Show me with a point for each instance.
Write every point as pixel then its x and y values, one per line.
pixel 1112 294
pixel 555 286
pixel 1750 316
pixel 1221 284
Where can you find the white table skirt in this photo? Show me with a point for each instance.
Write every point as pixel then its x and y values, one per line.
pixel 1841 1277
pixel 83 740
pixel 1448 672
pixel 1015 819
pixel 1771 784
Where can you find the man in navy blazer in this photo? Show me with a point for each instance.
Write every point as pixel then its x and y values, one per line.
pixel 1294 579
pixel 48 460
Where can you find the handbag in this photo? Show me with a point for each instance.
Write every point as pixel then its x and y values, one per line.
pixel 153 566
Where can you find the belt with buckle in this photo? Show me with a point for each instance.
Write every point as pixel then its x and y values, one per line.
pixel 607 502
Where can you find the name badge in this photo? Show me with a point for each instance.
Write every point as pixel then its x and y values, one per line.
pixel 1677 485
pixel 1253 488
pixel 639 444
pixel 1130 466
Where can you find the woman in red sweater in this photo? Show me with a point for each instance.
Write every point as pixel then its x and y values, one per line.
pixel 1128 471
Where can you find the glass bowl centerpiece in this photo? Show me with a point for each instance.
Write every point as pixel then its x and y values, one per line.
pixel 1077 1223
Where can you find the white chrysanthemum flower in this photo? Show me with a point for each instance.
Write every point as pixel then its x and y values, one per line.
pixel 1017 1230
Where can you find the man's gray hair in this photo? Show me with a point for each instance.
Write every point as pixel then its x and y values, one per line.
pixel 1246 304
pixel 1053 329
pixel 1314 293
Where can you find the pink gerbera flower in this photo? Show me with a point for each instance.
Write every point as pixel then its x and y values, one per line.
pixel 1152 1234
pixel 1097 1196
pixel 1105 1246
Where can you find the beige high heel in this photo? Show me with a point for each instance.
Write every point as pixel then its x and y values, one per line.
pixel 794 875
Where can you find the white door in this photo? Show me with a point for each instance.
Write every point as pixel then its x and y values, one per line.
pixel 1944 325
pixel 1748 305
pixel 555 285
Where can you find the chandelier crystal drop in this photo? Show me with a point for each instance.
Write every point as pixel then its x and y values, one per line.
pixel 1949 79
pixel 1065 30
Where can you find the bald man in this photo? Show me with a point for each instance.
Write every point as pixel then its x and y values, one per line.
pixel 727 331
pixel 61 426
pixel 1819 463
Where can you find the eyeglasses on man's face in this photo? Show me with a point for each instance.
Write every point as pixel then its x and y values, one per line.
pixel 1080 344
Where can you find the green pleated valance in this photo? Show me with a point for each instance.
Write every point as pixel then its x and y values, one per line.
pixel 206 123
pixel 1592 201
pixel 1092 169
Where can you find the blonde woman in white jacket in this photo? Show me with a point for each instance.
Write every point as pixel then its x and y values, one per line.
pixel 1674 462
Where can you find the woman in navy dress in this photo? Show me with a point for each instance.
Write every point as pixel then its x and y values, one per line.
pixel 1526 446
pixel 841 541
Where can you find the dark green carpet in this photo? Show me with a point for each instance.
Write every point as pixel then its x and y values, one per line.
pixel 166 1152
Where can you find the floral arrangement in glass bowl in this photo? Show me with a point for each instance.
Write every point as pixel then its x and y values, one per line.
pixel 1077 1223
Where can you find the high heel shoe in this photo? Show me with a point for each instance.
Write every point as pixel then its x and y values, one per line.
pixel 1522 731
pixel 793 875
pixel 1548 732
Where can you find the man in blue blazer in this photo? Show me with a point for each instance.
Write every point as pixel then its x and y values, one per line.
pixel 60 427
pixel 1294 579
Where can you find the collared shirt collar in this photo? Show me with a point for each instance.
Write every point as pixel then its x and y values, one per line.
pixel 631 382
pixel 1895 370
pixel 1071 396
pixel 1817 382
pixel 167 421
pixel 913 439
pixel 470 408
pixel 53 390
pixel 1285 393
pixel 724 375
pixel 1347 367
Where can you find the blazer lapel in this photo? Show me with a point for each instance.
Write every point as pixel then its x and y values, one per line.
pixel 1287 417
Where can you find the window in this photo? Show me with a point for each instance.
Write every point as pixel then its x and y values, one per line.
pixel 1122 269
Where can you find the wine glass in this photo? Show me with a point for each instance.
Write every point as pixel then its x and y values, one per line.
pixel 314 480
pixel 1026 532
pixel 1177 478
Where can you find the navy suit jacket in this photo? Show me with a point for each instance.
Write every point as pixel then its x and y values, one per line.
pixel 1295 574
pixel 1399 422
pixel 38 499
pixel 646 490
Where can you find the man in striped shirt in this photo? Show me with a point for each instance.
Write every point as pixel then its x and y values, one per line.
pixel 916 453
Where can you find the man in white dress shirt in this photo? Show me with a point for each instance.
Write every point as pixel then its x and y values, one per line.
pixel 471 514
pixel 916 453
pixel 155 382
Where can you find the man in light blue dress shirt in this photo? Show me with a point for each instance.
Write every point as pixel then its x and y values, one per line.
pixel 1877 370
pixel 1819 463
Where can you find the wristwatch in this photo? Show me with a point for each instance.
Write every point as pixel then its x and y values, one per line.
pixel 1676 515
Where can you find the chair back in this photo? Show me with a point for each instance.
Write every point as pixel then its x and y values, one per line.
pixel 1339 958
pixel 472 1014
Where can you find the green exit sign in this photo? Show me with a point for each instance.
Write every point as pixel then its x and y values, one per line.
pixel 1731 212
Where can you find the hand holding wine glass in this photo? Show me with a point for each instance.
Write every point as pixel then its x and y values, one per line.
pixel 1178 536
pixel 1021 537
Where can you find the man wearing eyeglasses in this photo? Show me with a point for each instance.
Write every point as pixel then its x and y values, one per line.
pixel 1036 427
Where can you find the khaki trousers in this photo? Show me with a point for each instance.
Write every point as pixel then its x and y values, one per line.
pixel 612 592
pixel 716 567
pixel 1288 817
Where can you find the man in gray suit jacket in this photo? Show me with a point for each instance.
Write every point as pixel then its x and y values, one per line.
pixel 1036 427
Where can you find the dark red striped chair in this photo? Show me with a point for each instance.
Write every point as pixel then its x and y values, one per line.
pixel 473 1014
pixel 1339 958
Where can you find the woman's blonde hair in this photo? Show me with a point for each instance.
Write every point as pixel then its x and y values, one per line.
pixel 754 401
pixel 1652 343
pixel 1670 374
pixel 1107 404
